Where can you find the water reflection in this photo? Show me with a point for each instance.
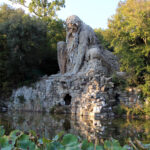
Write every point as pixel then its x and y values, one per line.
pixel 89 128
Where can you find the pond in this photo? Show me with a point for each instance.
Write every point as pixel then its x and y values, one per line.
pixel 87 128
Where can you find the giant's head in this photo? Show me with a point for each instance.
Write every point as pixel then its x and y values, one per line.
pixel 73 23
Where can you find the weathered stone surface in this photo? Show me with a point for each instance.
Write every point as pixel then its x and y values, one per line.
pixel 82 46
pixel 84 98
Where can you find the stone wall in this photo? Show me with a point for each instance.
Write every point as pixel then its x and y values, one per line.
pixel 91 95
pixel 85 95
pixel 81 95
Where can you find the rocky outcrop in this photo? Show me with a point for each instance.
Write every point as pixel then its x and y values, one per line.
pixel 83 94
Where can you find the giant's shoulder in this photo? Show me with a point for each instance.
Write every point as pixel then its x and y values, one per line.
pixel 86 30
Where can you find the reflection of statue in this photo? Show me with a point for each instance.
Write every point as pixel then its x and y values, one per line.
pixel 81 45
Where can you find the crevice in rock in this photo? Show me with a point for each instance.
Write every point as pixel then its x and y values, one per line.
pixel 67 99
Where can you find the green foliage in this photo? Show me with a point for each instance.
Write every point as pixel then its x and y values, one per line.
pixel 129 33
pixel 28 48
pixel 130 111
pixel 19 140
pixel 24 45
pixel 7 13
pixel 42 8
pixel 57 32
pixel 70 141
pixel 105 38
pixel 87 145
pixel 147 107
pixel 119 110
pixel 24 142
pixel 22 49
pixel 120 82
pixel 113 145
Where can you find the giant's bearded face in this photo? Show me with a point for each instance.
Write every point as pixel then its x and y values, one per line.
pixel 72 28
pixel 73 23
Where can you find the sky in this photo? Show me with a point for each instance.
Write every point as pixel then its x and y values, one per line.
pixel 93 12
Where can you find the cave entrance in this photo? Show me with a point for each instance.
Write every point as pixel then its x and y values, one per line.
pixel 67 99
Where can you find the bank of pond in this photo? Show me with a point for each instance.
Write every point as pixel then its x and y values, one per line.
pixel 26 130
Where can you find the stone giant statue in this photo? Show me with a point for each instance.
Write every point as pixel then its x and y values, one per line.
pixel 84 85
pixel 80 47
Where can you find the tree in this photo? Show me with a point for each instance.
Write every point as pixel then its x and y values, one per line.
pixel 6 12
pixel 23 48
pixel 42 8
pixel 105 38
pixel 131 41
pixel 27 48
pixel 46 10
pixel 55 32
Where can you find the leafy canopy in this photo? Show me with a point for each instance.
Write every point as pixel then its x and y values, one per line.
pixel 130 34
pixel 42 8
pixel 27 48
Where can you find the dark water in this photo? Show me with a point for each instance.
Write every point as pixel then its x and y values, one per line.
pixel 89 128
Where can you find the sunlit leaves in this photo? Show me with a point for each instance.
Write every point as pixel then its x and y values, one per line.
pixel 43 8
pixel 130 34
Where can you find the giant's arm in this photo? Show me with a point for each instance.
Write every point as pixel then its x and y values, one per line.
pixel 82 47
pixel 62 56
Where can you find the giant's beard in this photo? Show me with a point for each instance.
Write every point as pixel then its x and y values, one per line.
pixel 72 41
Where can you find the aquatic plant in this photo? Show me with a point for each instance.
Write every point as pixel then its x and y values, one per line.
pixel 18 140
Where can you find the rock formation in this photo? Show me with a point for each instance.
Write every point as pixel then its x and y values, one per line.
pixel 84 85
